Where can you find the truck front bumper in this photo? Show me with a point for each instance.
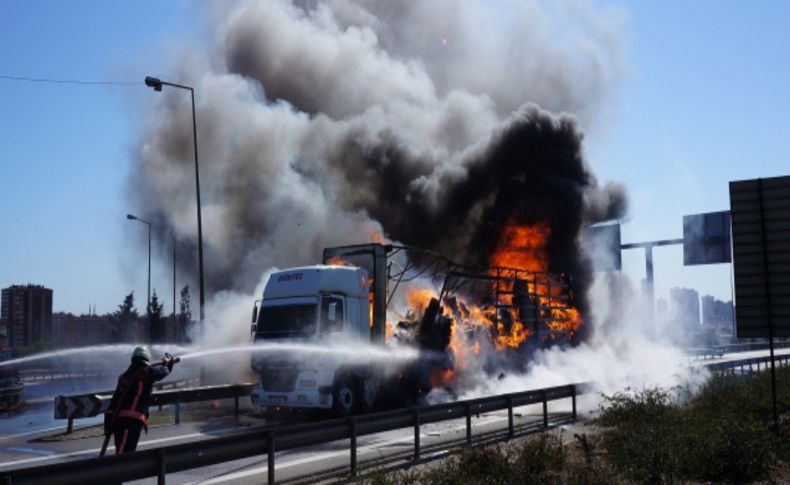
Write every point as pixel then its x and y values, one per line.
pixel 304 398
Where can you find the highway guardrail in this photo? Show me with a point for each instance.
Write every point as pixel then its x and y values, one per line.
pixel 80 406
pixel 157 462
pixel 748 366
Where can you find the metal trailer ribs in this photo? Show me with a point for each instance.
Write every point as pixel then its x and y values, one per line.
pixel 542 302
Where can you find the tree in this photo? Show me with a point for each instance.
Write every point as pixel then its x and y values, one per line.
pixel 184 313
pixel 156 319
pixel 124 318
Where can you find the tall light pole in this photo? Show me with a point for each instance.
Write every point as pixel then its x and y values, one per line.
pixel 135 218
pixel 174 277
pixel 157 84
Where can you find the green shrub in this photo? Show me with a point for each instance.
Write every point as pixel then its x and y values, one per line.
pixel 716 436
pixel 539 459
pixel 479 465
pixel 640 434
pixel 721 444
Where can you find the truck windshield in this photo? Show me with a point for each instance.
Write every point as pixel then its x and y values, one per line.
pixel 286 321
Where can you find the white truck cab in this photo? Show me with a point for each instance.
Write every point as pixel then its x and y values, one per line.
pixel 311 304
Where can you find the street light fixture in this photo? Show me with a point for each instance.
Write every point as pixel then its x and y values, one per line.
pixel 157 84
pixel 135 218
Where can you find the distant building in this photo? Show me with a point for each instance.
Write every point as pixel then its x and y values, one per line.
pixel 717 313
pixel 79 330
pixel 685 306
pixel 3 334
pixel 27 309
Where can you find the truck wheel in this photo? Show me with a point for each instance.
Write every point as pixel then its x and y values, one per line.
pixel 369 391
pixel 345 397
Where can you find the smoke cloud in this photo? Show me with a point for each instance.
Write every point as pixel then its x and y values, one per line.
pixel 429 123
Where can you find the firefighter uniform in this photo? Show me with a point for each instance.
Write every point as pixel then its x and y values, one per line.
pixel 131 399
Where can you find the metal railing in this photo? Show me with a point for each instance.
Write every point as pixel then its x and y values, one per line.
pixel 748 366
pixel 169 459
pixel 713 351
pixel 160 398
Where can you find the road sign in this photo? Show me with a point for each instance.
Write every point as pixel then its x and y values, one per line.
pixel 706 238
pixel 71 407
pixel 760 211
pixel 603 244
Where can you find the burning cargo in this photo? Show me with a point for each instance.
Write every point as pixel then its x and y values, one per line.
pixel 510 310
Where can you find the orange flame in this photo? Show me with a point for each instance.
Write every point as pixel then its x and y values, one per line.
pixel 522 247
pixel 419 298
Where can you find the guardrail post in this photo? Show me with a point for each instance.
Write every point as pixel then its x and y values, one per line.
pixel 161 467
pixel 236 405
pixel 70 426
pixel 178 412
pixel 545 409
pixel 573 401
pixel 468 424
pixel 509 417
pixel 352 431
pixel 416 434
pixel 270 460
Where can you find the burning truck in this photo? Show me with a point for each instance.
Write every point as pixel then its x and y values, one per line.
pixel 511 310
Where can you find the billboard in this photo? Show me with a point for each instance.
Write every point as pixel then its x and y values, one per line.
pixel 760 212
pixel 706 238
pixel 603 244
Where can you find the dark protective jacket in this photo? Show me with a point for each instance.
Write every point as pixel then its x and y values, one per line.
pixel 132 395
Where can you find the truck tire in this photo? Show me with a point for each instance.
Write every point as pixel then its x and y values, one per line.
pixel 345 398
pixel 368 393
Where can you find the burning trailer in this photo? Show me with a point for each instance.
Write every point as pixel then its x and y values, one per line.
pixel 481 318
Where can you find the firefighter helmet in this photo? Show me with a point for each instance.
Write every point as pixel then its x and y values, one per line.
pixel 141 353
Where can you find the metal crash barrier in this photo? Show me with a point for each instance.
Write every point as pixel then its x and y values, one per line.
pixel 89 405
pixel 157 462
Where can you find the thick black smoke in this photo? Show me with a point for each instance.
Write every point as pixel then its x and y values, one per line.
pixel 325 123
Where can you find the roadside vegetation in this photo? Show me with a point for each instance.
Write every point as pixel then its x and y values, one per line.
pixel 722 433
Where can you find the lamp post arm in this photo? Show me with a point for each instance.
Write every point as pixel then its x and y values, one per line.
pixel 176 85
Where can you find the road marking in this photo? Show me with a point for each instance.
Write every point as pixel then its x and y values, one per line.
pixel 31 450
pixel 95 451
pixel 292 463
pixel 318 457
pixel 32 432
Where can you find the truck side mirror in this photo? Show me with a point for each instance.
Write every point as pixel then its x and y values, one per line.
pixel 254 318
pixel 331 313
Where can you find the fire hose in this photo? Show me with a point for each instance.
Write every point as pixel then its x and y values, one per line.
pixel 167 360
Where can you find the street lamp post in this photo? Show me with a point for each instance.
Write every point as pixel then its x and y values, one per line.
pixel 157 84
pixel 135 218
pixel 174 277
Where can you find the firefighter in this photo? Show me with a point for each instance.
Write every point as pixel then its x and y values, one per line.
pixel 128 411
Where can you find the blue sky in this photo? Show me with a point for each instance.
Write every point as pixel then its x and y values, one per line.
pixel 705 102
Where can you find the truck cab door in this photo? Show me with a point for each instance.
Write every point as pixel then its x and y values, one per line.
pixel 332 314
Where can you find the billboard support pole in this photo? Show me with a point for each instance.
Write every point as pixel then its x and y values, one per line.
pixel 768 306
pixel 650 287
